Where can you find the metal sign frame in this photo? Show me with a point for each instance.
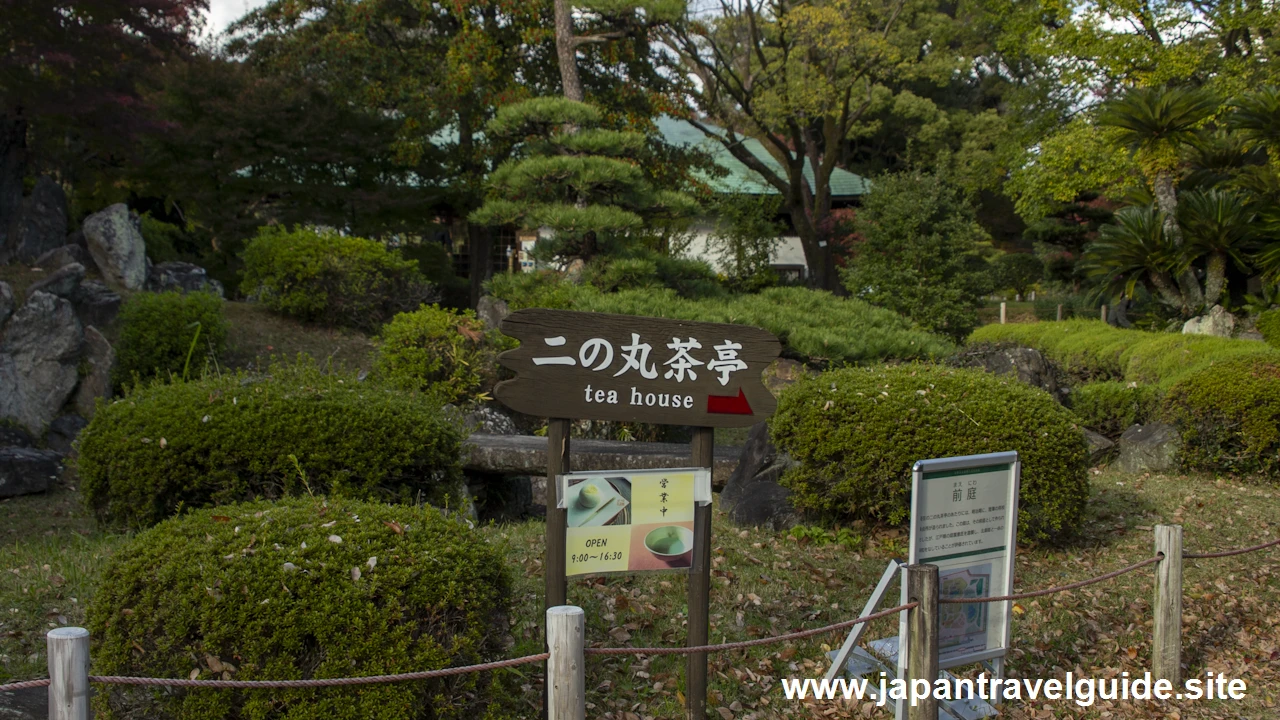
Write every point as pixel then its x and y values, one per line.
pixel 955 467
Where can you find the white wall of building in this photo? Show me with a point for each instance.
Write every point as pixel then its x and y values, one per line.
pixel 787 252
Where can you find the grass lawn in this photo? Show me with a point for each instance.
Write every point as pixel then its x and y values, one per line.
pixel 767 583
pixel 255 334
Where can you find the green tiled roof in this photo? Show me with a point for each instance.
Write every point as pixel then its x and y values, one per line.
pixel 742 179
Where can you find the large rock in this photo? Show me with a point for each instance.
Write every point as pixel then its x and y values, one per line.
pixel 1026 364
pixel 1218 322
pixel 1100 447
pixel 753 496
pixel 96 304
pixel 100 358
pixel 116 244
pixel 1148 448
pixel 488 420
pixel 62 255
pixel 492 311
pixel 181 276
pixel 63 282
pixel 11 436
pixel 6 302
pixel 25 470
pixel 42 224
pixel 63 432
pixel 39 352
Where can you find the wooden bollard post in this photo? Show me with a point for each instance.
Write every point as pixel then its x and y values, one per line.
pixel 566 672
pixel 1166 640
pixel 1059 312
pixel 1104 313
pixel 1002 312
pixel 922 638
pixel 68 673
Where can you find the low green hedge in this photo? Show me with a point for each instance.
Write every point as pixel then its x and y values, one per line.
pixel 168 335
pixel 1269 325
pixel 447 352
pixel 1090 350
pixel 812 324
pixel 857 432
pixel 1229 417
pixel 1111 407
pixel 323 277
pixel 163 448
pixel 304 588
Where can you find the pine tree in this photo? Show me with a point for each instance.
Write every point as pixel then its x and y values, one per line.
pixel 572 177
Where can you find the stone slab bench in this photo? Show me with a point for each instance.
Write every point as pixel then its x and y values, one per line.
pixel 527 455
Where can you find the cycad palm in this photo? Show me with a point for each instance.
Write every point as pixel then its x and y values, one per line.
pixel 1135 251
pixel 1218 225
pixel 1256 116
pixel 1156 123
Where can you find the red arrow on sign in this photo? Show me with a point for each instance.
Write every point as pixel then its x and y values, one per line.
pixel 728 404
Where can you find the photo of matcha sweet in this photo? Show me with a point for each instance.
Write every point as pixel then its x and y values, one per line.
pixel 589 496
pixel 598 501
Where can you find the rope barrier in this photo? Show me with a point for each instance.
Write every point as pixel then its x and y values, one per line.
pixel 497 665
pixel 1229 553
pixel 25 685
pixel 748 643
pixel 1052 590
pixel 327 682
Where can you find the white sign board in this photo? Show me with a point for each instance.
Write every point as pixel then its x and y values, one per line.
pixel 964 519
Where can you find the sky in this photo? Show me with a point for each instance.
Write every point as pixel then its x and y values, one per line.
pixel 223 12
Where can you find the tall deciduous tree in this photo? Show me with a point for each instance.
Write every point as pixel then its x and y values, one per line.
pixel 439 69
pixel 241 147
pixel 606 24
pixel 1096 51
pixel 68 73
pixel 801 77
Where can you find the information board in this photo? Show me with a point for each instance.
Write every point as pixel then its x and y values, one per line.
pixel 631 520
pixel 964 519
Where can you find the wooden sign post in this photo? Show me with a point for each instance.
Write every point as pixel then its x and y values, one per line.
pixel 593 366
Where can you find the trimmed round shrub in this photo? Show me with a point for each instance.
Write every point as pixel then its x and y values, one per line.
pixel 1268 324
pixel 444 351
pixel 168 335
pixel 856 433
pixel 1111 407
pixel 163 448
pixel 1229 417
pixel 323 277
pixel 304 588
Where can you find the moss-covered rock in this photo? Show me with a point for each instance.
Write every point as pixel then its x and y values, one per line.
pixel 296 589
pixel 1111 407
pixel 857 432
pixel 1268 325
pixel 1228 417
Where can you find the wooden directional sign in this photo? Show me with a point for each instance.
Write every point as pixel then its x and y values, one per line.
pixel 596 366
